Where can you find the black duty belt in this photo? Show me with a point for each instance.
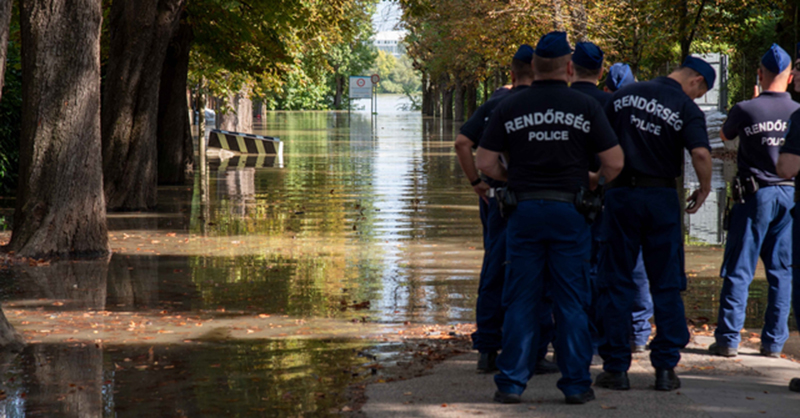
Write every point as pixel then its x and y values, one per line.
pixel 554 195
pixel 640 180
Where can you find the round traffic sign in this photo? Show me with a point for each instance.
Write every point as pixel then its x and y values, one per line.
pixel 360 82
pixel 375 78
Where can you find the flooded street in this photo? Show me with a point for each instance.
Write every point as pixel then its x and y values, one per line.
pixel 267 290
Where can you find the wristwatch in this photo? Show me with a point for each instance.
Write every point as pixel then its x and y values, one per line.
pixel 476 181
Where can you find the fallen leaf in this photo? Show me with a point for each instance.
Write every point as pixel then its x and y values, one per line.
pixel 608 407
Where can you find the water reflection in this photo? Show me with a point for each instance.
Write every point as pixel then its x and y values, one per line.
pixel 285 378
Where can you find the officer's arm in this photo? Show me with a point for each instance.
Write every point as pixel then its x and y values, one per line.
pixel 723 137
pixel 612 161
pixel 464 152
pixel 489 163
pixel 701 161
pixel 788 165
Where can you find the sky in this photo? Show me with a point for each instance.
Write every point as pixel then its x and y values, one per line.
pixel 387 15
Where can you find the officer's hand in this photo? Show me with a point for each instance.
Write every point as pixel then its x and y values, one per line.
pixel 481 189
pixel 696 200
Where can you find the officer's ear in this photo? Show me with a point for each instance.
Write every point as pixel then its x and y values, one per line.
pixel 570 69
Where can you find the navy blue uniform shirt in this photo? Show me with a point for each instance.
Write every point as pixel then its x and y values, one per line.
pixel 761 125
pixel 550 133
pixel 655 120
pixel 792 144
pixel 592 90
pixel 473 128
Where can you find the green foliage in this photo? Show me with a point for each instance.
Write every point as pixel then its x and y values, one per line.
pixel 11 115
pixel 288 52
pixel 397 75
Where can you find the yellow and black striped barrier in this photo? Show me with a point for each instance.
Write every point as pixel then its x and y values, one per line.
pixel 239 162
pixel 245 143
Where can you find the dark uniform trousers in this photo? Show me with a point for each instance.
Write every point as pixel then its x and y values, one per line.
pixel 547 241
pixel 646 217
pixel 489 312
pixel 796 263
pixel 760 226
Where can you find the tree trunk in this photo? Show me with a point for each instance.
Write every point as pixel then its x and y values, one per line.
pixel 427 96
pixel 5 25
pixel 140 32
pixel 472 99
pixel 337 99
pixel 240 116
pixel 10 340
pixel 458 101
pixel 447 96
pixel 578 17
pixel 175 148
pixel 558 20
pixel 437 99
pixel 60 206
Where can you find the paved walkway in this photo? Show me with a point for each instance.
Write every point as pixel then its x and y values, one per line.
pixel 747 386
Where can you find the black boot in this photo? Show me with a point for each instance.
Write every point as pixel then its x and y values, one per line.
pixel 581 398
pixel 613 380
pixel 503 397
pixel 667 380
pixel 487 362
pixel 546 367
pixel 794 385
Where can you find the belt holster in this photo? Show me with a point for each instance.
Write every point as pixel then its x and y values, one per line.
pixel 506 201
pixel 589 203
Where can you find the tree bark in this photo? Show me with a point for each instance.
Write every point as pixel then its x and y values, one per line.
pixel 5 25
pixel 447 97
pixel 60 206
pixel 240 116
pixel 175 148
pixel 140 32
pixel 558 20
pixel 458 101
pixel 427 96
pixel 579 20
pixel 10 340
pixel 337 99
pixel 472 99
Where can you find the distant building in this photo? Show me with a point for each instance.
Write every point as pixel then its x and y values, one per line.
pixel 391 42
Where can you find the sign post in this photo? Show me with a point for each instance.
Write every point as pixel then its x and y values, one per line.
pixel 375 79
pixel 360 88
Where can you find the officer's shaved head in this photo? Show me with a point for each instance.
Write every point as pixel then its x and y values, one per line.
pixel 692 82
pixel 522 70
pixel 551 66
pixel 586 73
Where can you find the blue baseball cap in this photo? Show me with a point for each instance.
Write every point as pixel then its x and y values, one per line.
pixel 703 68
pixel 524 53
pixel 776 59
pixel 553 45
pixel 618 76
pixel 588 55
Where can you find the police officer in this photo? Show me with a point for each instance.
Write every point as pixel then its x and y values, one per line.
pixel 619 75
pixel 550 133
pixel 588 63
pixel 762 223
pixel 788 167
pixel 655 121
pixel 489 312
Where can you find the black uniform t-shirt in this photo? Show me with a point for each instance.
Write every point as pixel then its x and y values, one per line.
pixel 761 125
pixel 550 133
pixel 792 144
pixel 473 128
pixel 655 120
pixel 591 90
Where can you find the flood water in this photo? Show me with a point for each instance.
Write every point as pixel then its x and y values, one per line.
pixel 263 289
